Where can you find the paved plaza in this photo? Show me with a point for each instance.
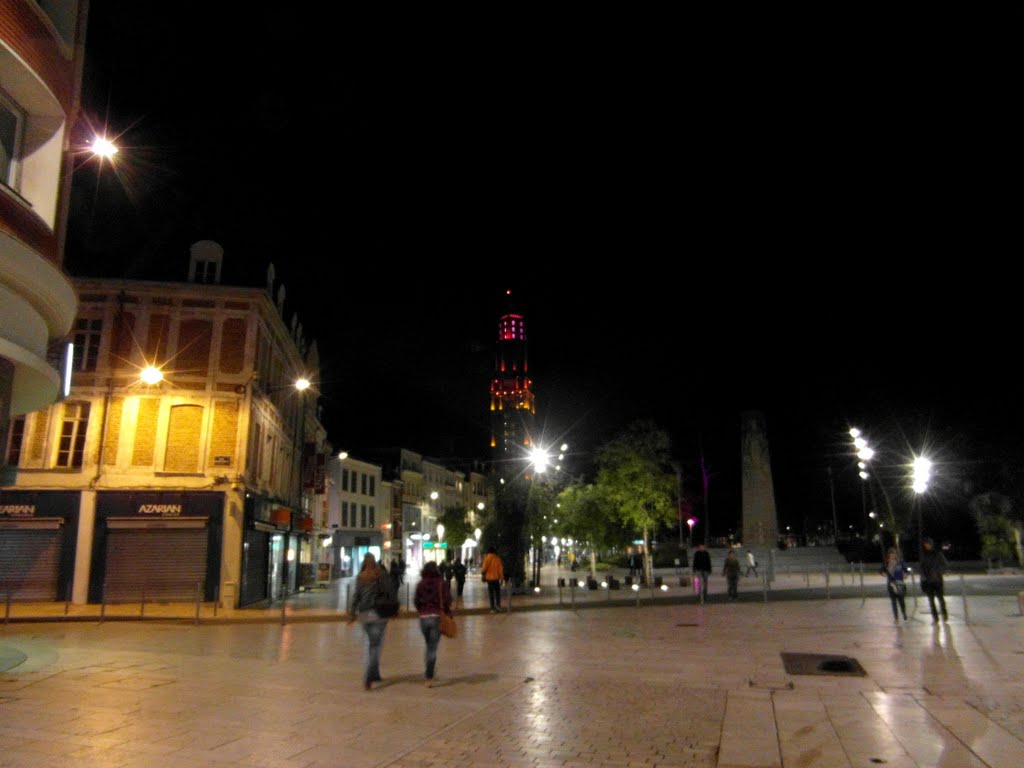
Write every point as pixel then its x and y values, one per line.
pixel 664 685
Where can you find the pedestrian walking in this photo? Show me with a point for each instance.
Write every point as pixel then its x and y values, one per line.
pixel 702 568
pixel 731 571
pixel 493 572
pixel 459 571
pixel 395 571
pixel 751 563
pixel 433 597
pixel 372 581
pixel 894 571
pixel 933 565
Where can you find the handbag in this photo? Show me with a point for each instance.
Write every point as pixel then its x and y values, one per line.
pixel 899 588
pixel 447 624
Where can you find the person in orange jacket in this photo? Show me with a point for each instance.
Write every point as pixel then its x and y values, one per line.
pixel 493 572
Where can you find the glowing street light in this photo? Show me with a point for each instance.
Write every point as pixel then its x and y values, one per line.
pixel 539 458
pixel 103 147
pixel 151 375
pixel 922 470
pixel 302 384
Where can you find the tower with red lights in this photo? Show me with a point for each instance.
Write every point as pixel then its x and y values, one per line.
pixel 513 405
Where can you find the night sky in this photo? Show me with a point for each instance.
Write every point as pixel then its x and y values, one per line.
pixel 813 217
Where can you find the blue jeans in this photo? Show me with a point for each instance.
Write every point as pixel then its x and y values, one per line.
pixel 430 626
pixel 374 637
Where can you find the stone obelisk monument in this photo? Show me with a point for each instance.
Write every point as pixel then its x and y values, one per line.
pixel 760 525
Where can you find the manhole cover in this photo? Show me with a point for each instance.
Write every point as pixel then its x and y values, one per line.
pixel 822 664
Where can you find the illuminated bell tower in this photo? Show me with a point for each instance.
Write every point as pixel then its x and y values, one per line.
pixel 512 400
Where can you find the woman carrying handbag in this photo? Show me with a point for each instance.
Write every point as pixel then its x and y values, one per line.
pixel 433 598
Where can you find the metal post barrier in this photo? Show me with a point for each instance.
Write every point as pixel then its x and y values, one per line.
pixel 913 589
pixel 764 583
pixel 103 603
pixel 828 586
pixel 863 594
pixel 963 595
pixel 700 587
pixel 199 595
pixel 215 604
pixel 7 610
pixel 509 603
pixel 572 594
pixel 408 596
pixel 807 578
pixel 345 598
pixel 67 600
pixel 284 602
pixel 636 589
pixel 142 605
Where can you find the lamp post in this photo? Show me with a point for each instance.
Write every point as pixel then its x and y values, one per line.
pixel 690 522
pixel 476 535
pixel 921 472
pixel 440 538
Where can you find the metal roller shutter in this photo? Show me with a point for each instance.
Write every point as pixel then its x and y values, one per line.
pixel 162 563
pixel 256 555
pixel 30 562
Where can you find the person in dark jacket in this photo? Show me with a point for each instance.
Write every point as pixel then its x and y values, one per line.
pixel 368 584
pixel 933 565
pixel 432 598
pixel 702 568
pixel 459 571
pixel 731 571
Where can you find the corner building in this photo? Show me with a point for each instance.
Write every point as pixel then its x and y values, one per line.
pixel 189 485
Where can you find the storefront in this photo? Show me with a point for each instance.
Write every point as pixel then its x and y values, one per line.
pixel 38 537
pixel 153 545
pixel 276 552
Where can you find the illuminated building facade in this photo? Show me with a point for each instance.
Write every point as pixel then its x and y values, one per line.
pixel 513 405
pixel 41 57
pixel 205 480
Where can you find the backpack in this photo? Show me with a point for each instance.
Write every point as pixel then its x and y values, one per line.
pixel 385 601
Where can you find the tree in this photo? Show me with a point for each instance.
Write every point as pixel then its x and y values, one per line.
pixel 636 478
pixel 997 526
pixel 585 516
pixel 456 527
pixel 506 529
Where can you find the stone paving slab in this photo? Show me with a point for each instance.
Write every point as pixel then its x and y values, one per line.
pixel 662 686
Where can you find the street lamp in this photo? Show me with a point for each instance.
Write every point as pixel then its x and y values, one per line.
pixel 440 538
pixel 691 521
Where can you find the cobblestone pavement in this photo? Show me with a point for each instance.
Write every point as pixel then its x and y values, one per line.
pixel 622 687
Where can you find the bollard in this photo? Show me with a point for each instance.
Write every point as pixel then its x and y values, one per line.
pixel 963 595
pixel 807 578
pixel 347 606
pixel 7 610
pixel 700 588
pixel 561 583
pixel 199 595
pixel 764 582
pixel 828 586
pixel 215 604
pixel 572 594
pixel 284 602
pixel 67 600
pixel 142 605
pixel 637 591
pixel 103 604
pixel 863 594
pixel 408 597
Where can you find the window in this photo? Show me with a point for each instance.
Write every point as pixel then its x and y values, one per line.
pixel 11 122
pixel 373 522
pixel 344 514
pixel 373 486
pixel 71 446
pixel 87 344
pixel 344 479
pixel 364 485
pixel 17 435
pixel 362 517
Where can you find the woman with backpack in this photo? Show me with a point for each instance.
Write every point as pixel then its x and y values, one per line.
pixel 372 583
